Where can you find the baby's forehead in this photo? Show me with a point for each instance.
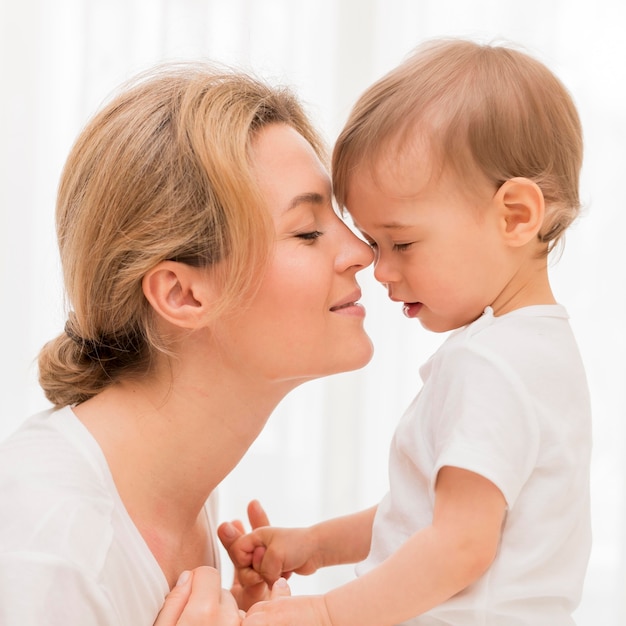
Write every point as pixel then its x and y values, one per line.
pixel 395 173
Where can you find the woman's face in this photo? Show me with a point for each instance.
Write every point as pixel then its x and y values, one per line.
pixel 304 321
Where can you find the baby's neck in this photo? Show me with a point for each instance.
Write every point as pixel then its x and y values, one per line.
pixel 534 290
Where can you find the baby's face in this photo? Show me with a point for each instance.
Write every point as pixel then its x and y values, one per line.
pixel 439 250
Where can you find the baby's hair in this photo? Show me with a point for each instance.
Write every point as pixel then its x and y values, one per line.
pixel 163 172
pixel 489 107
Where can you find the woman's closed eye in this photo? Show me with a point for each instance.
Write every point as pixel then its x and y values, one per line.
pixel 309 236
pixel 370 242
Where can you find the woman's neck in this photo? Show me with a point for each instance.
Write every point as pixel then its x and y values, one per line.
pixel 169 441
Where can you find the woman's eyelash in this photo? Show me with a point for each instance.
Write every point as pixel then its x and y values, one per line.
pixel 310 235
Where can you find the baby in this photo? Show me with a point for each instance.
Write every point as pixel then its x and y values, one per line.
pixel 461 168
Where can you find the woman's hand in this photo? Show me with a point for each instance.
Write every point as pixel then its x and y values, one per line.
pixel 287 611
pixel 199 600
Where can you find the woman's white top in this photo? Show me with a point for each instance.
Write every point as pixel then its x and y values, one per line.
pixel 69 552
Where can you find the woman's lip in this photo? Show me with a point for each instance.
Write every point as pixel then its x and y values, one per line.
pixel 351 300
pixel 350 305
pixel 350 308
pixel 411 309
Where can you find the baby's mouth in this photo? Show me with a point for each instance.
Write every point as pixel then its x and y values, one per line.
pixel 411 309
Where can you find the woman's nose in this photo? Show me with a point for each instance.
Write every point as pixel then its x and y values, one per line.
pixel 354 252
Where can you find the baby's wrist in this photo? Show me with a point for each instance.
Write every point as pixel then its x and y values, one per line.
pixel 318 549
pixel 325 618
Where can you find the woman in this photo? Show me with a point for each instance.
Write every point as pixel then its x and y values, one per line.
pixel 208 275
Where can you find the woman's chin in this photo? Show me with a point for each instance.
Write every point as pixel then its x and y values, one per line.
pixel 358 356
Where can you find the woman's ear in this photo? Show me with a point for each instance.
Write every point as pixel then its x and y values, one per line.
pixel 522 207
pixel 178 293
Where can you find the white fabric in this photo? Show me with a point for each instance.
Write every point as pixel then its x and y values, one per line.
pixel 505 397
pixel 69 552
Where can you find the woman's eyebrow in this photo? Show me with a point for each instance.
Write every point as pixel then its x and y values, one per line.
pixel 311 197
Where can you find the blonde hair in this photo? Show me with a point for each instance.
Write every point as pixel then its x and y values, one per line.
pixel 162 172
pixel 477 106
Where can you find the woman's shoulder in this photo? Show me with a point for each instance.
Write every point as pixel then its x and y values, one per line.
pixel 51 448
pixel 63 522
pixel 55 495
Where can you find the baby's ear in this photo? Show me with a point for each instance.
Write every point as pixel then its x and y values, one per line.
pixel 522 207
pixel 179 293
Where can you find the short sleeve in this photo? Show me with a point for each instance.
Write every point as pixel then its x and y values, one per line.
pixel 41 590
pixel 487 422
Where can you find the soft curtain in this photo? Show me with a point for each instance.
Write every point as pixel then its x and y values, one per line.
pixel 324 452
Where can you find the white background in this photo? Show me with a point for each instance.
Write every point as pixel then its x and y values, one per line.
pixel 324 452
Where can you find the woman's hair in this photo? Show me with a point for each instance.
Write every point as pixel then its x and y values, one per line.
pixel 476 106
pixel 163 172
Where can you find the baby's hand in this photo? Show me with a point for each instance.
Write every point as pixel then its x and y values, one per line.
pixel 269 553
pixel 248 586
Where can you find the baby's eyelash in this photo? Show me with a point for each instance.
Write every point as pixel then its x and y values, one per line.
pixel 401 247
pixel 397 247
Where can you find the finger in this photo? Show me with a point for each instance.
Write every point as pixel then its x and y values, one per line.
pixel 229 532
pixel 257 557
pixel 258 609
pixel 280 589
pixel 206 592
pixel 238 524
pixel 240 549
pixel 229 606
pixel 252 594
pixel 249 592
pixel 271 568
pixel 207 580
pixel 257 515
pixel 247 577
pixel 175 602
pixel 268 569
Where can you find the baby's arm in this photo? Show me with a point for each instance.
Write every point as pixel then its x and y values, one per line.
pixel 270 553
pixel 433 565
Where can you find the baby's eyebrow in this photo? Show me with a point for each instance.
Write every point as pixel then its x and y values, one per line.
pixel 389 226
pixel 394 226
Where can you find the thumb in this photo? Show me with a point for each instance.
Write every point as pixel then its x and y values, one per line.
pixel 229 532
pixel 175 602
pixel 280 589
